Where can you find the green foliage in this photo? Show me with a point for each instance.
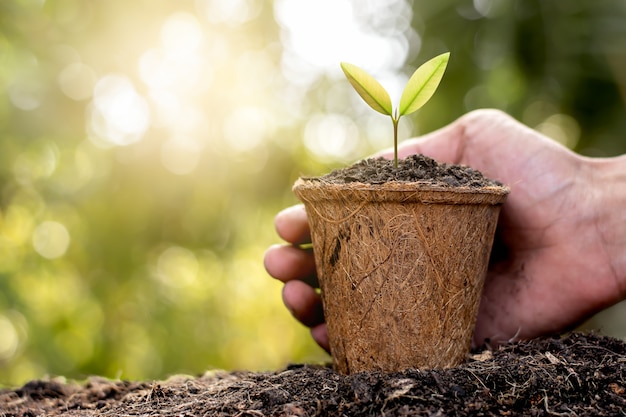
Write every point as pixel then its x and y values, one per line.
pixel 422 84
pixel 418 90
pixel 368 88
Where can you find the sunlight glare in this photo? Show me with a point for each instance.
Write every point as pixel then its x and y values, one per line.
pixel 119 115
pixel 246 127
pixel 181 34
pixel 233 12
pixel 179 64
pixel 177 71
pixel 180 155
pixel 325 32
pixel 255 82
pixel 331 136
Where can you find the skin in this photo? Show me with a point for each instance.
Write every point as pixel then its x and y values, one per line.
pixel 559 254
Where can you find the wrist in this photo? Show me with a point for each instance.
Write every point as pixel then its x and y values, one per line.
pixel 609 187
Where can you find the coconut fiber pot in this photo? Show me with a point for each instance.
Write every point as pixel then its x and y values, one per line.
pixel 401 268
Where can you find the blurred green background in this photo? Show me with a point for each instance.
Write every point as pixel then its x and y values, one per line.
pixel 146 145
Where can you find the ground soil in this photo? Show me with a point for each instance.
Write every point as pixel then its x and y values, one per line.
pixel 415 168
pixel 580 374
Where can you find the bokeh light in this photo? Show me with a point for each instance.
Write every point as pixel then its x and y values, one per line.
pixel 231 12
pixel 321 34
pixel 77 81
pixel 177 267
pixel 248 127
pixel 180 155
pixel 9 339
pixel 119 115
pixel 51 239
pixel 331 136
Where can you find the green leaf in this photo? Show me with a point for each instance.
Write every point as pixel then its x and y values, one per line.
pixel 368 88
pixel 422 84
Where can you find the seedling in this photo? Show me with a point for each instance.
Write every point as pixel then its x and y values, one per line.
pixel 419 89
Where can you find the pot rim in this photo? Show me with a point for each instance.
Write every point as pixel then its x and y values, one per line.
pixel 397 191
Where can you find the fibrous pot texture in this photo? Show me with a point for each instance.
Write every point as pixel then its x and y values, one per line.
pixel 401 268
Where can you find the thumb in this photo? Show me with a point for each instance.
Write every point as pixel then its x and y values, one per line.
pixel 487 140
pixel 442 145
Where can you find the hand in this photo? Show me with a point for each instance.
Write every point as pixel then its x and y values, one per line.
pixel 558 255
pixel 296 268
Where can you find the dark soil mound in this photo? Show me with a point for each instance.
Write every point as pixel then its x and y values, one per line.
pixel 577 375
pixel 415 168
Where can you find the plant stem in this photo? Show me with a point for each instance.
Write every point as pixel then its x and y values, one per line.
pixel 395 141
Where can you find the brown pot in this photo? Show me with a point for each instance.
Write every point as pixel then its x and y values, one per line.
pixel 401 268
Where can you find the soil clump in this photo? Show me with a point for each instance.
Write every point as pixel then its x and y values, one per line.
pixel 414 168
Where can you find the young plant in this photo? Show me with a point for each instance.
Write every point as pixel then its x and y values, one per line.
pixel 419 89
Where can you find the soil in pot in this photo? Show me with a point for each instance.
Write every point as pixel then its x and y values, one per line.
pixel 415 168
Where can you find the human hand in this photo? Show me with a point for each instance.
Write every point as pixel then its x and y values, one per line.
pixel 295 266
pixel 558 252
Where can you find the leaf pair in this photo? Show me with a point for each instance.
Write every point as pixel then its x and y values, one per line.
pixel 418 91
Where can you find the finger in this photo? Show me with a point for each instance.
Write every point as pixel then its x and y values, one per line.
pixel 320 335
pixel 286 263
pixel 482 139
pixel 304 303
pixel 292 225
pixel 443 144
